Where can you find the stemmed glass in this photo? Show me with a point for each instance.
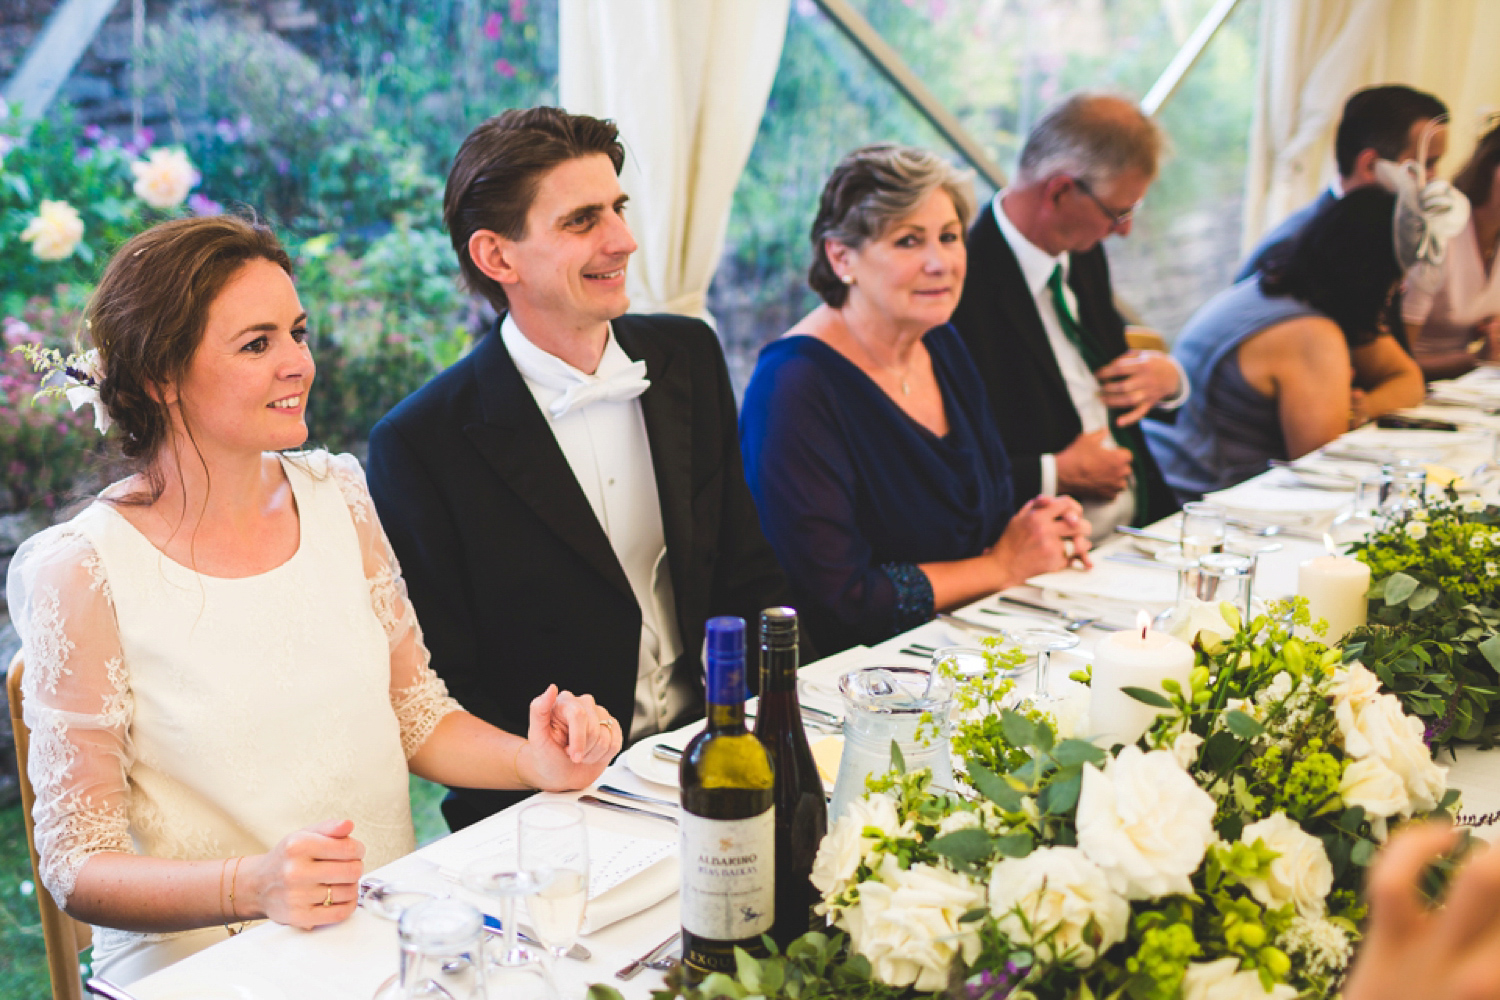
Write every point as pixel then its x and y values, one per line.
pixel 515 972
pixel 1040 642
pixel 554 844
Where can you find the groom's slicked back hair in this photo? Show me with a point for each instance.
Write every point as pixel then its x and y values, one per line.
pixel 496 172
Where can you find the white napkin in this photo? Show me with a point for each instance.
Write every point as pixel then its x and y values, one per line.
pixel 1126 584
pixel 1262 495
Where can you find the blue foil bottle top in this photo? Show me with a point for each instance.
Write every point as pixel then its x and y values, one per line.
pixel 724 656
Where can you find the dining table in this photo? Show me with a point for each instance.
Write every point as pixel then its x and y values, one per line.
pixel 1281 516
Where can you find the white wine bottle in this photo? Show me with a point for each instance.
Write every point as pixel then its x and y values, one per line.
pixel 728 820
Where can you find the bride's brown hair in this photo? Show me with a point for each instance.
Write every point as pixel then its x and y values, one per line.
pixel 148 314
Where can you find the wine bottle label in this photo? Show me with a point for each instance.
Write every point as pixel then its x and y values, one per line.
pixel 728 875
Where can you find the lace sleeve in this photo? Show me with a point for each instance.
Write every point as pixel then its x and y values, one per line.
pixel 418 694
pixel 77 704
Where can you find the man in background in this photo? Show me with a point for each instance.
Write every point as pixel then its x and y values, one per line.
pixel 1038 315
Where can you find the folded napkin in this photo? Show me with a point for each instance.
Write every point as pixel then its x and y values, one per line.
pixel 1125 585
pixel 627 874
pixel 1278 493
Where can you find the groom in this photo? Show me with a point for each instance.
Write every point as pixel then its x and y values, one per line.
pixel 567 502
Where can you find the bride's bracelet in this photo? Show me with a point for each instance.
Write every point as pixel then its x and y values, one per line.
pixel 233 883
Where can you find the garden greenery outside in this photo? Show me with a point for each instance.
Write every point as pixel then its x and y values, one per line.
pixel 340 135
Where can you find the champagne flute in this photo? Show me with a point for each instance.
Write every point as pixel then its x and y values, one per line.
pixel 554 839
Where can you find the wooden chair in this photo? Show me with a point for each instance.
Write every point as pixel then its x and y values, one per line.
pixel 65 937
pixel 1142 339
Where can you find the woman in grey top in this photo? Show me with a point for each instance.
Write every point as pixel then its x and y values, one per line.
pixel 1286 361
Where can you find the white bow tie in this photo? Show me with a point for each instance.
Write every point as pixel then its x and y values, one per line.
pixel 625 384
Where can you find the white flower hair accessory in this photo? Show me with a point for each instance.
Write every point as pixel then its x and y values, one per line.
pixel 1429 214
pixel 76 377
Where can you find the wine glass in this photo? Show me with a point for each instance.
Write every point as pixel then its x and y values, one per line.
pixel 1362 516
pixel 513 971
pixel 554 840
pixel 1040 642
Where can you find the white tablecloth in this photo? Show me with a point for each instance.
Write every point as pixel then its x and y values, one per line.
pixel 349 961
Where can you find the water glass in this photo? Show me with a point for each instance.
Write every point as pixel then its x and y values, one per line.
pixel 1203 529
pixel 1362 516
pixel 441 952
pixel 554 845
pixel 1408 490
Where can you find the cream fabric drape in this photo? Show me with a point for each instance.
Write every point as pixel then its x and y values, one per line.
pixel 1314 53
pixel 687 82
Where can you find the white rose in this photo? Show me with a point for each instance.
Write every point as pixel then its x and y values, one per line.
pixel 845 847
pixel 1377 788
pixel 1185 748
pixel 1416 530
pixel 164 178
pixel 906 923
pixel 1145 822
pixel 1301 874
pixel 55 232
pixel 1225 980
pixel 1202 618
pixel 1474 505
pixel 1353 685
pixel 1376 726
pixel 1070 709
pixel 961 820
pixel 1059 902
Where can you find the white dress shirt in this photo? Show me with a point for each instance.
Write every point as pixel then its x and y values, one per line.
pixel 1083 388
pixel 605 443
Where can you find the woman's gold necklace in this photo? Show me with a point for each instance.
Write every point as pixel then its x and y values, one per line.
pixel 903 376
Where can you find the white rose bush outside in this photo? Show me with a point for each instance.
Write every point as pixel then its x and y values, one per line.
pixel 1222 857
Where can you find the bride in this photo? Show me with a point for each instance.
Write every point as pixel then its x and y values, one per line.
pixel 225 683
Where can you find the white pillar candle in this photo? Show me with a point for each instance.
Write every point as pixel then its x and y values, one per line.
pixel 1335 588
pixel 1139 658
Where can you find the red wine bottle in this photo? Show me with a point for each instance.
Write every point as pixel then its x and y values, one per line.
pixel 801 809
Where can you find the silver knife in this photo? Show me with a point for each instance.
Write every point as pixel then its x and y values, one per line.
pixel 493 926
pixel 663 752
pixel 637 796
pixel 594 800
pixel 651 956
pixel 968 626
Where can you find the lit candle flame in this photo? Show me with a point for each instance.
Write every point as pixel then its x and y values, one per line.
pixel 1328 544
pixel 1143 622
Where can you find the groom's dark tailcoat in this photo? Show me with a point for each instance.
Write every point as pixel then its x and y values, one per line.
pixel 998 320
pixel 513 578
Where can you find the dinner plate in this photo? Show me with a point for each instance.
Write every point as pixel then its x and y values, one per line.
pixel 244 988
pixel 648 767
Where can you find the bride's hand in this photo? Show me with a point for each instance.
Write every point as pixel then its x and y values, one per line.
pixel 313 865
pixel 569 743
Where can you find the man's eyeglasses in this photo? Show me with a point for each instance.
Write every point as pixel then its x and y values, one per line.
pixel 1116 218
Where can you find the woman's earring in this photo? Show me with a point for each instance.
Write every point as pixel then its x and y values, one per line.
pixel 847 279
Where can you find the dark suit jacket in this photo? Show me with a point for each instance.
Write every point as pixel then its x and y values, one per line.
pixel 1286 231
pixel 998 320
pixel 512 577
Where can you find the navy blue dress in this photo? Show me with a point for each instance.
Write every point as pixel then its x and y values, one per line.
pixel 853 493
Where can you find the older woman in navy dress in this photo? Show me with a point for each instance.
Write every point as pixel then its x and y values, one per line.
pixel 881 479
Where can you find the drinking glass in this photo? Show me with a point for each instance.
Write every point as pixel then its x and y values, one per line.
pixel 1408 490
pixel 1203 529
pixel 554 845
pixel 512 970
pixel 1039 642
pixel 441 953
pixel 1362 516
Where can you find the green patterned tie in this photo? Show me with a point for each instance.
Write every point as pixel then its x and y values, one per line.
pixel 1094 358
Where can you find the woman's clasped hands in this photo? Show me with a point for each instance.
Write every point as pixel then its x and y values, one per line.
pixel 569 742
pixel 1047 534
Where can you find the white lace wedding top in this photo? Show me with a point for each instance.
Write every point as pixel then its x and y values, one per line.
pixel 191 717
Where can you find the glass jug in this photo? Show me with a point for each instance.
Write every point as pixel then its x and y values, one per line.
pixel 882 704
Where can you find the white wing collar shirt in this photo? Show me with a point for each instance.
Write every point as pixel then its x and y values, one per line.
pixel 599 426
pixel 1037 266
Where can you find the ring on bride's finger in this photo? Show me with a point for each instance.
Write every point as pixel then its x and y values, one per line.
pixel 606 722
pixel 328 899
